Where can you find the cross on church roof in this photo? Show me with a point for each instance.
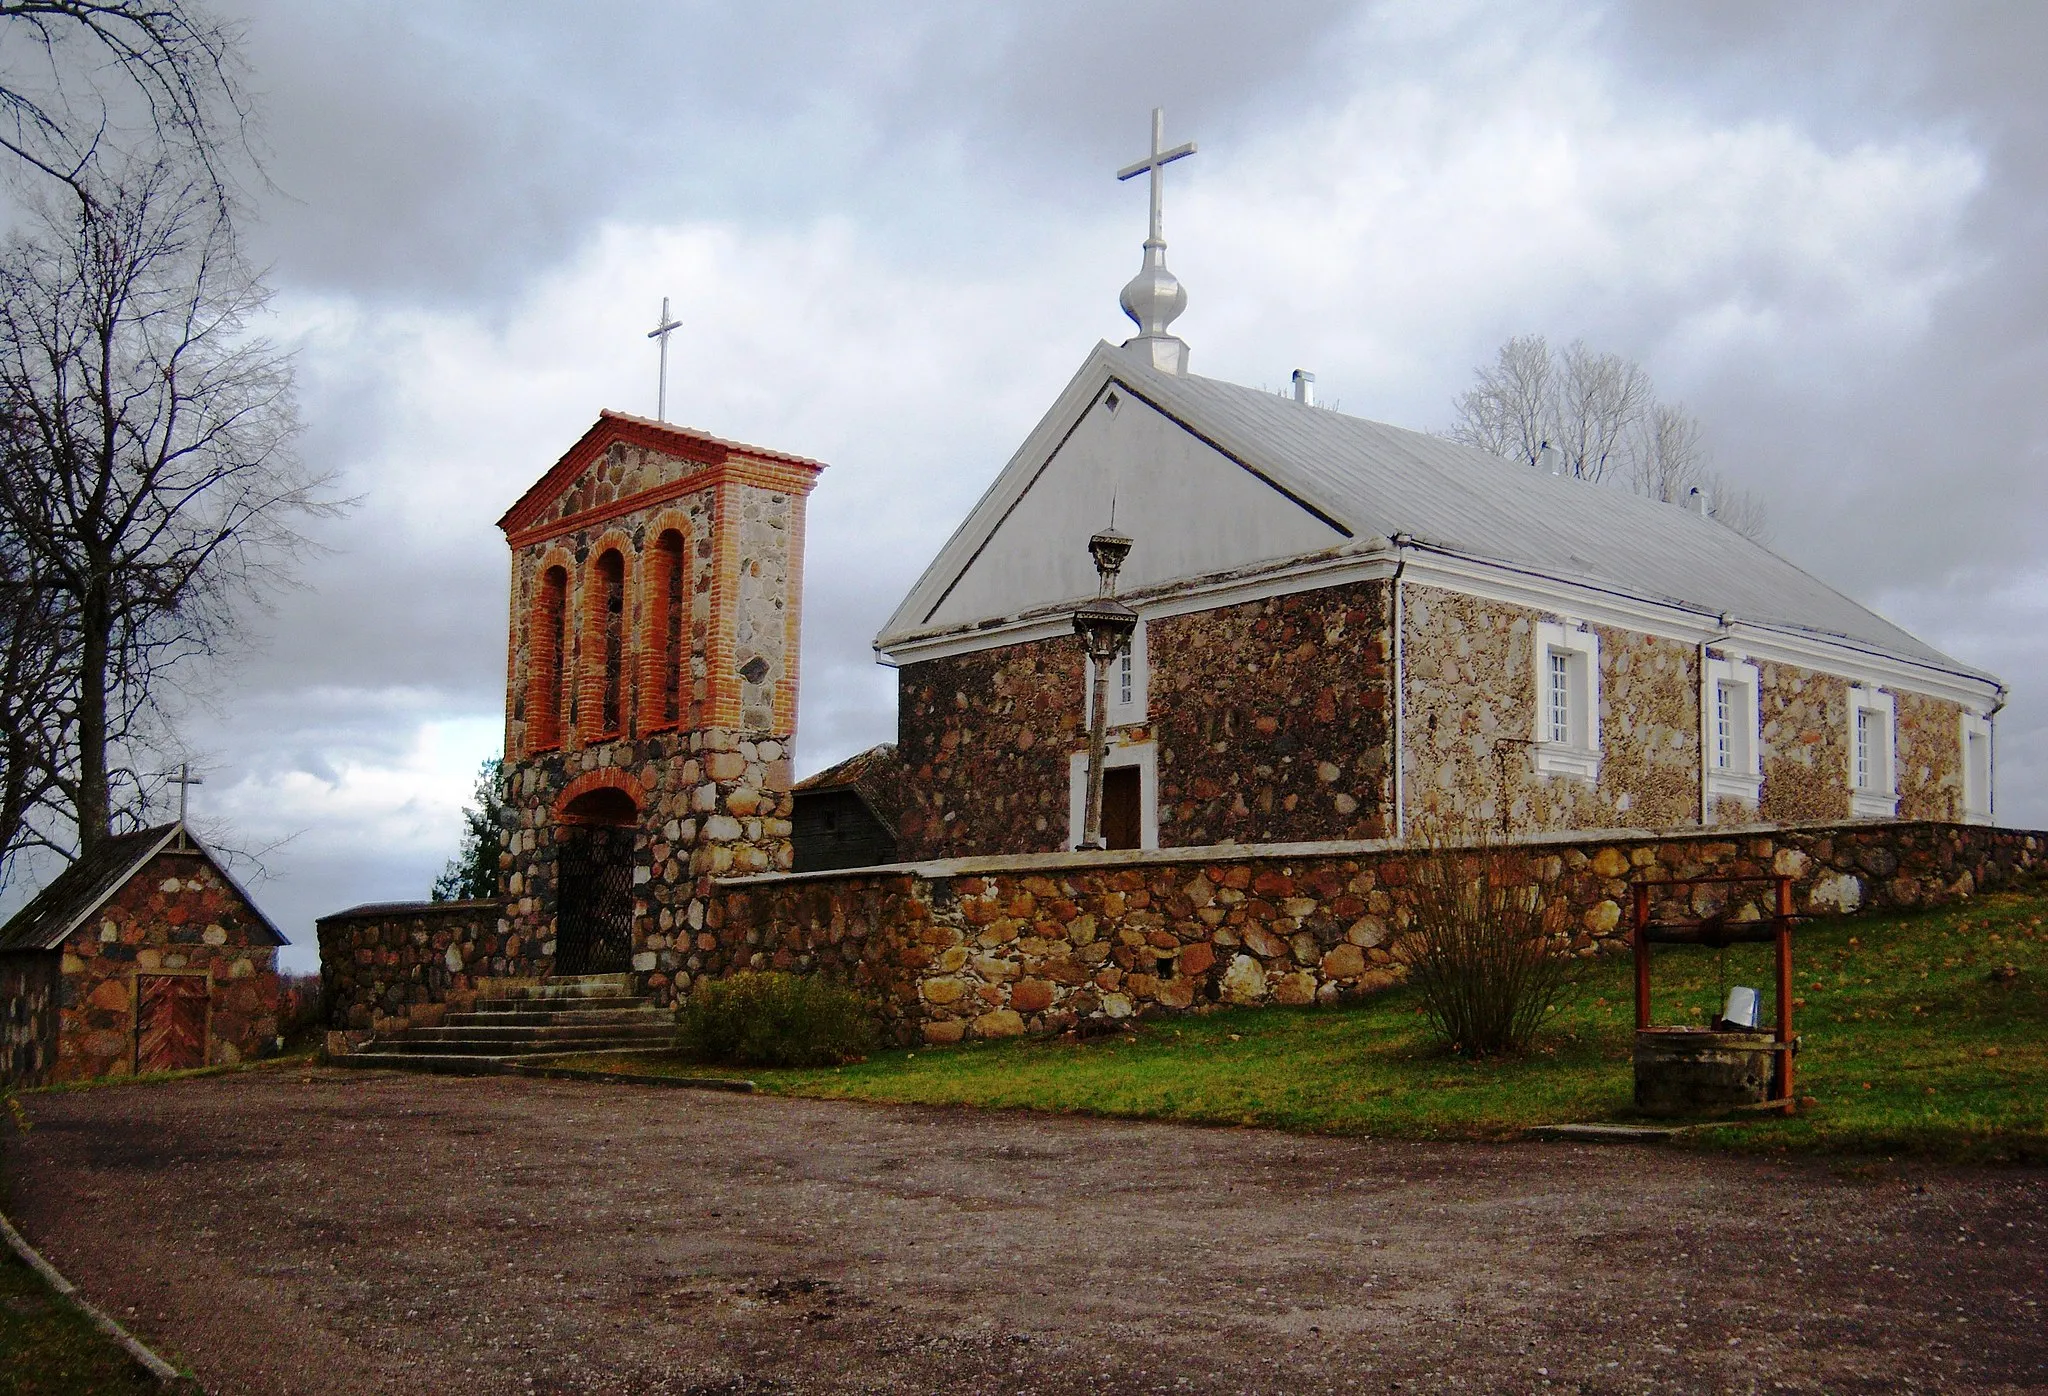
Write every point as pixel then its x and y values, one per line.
pixel 662 332
pixel 1156 164
pixel 184 780
pixel 1155 298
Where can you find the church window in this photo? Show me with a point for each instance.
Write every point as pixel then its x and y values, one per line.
pixel 1872 791
pixel 1730 750
pixel 548 645
pixel 1127 682
pixel 1976 768
pixel 667 632
pixel 1567 702
pixel 611 619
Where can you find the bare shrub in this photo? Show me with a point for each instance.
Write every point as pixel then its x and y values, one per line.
pixel 1486 952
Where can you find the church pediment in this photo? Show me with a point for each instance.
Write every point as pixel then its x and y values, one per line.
pixel 1193 509
pixel 623 461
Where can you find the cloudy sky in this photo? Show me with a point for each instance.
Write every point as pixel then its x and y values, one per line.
pixel 891 232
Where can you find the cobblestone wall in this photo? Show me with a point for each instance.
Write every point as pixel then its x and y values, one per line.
pixel 999 947
pixel 1471 712
pixel 177 915
pixel 28 1017
pixel 1270 720
pixel 395 964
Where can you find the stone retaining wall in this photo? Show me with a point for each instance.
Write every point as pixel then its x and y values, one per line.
pixel 404 963
pixel 996 947
pixel 981 948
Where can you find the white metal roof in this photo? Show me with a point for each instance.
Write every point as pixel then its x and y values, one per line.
pixel 1377 481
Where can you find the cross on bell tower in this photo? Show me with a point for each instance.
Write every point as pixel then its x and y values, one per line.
pixel 1155 298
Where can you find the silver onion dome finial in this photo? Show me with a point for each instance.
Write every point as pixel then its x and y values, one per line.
pixel 1155 298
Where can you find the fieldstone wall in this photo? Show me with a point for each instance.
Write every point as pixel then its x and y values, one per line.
pixel 177 915
pixel 1270 719
pixel 712 803
pixel 29 999
pixel 981 948
pixel 402 964
pixel 1471 712
pixel 1273 719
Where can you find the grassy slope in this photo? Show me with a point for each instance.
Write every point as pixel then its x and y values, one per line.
pixel 47 1348
pixel 1910 1043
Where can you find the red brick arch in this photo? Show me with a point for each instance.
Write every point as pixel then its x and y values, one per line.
pixel 599 780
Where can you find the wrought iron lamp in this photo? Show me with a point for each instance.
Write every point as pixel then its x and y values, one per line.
pixel 1105 626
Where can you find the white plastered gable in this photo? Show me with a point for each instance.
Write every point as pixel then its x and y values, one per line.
pixel 1193 510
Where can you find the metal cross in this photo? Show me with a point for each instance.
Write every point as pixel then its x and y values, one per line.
pixel 1157 161
pixel 185 780
pixel 661 332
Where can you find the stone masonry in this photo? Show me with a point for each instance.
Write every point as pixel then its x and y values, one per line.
pixel 178 915
pixel 651 676
pixel 980 948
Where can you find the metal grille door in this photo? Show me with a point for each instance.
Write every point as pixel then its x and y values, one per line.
pixel 170 1022
pixel 594 913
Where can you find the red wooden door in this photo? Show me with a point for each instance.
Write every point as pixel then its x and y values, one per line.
pixel 170 1022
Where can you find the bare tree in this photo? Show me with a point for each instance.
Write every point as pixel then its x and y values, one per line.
pixel 149 476
pixel 84 79
pixel 34 711
pixel 1599 414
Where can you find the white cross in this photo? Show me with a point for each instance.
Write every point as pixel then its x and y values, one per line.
pixel 185 780
pixel 1157 161
pixel 661 332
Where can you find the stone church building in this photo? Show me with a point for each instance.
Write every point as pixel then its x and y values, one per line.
pixel 1351 631
pixel 1350 637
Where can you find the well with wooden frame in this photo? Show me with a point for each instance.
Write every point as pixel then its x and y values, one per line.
pixel 1687 1070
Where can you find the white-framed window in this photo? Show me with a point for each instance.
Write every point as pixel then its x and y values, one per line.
pixel 1976 737
pixel 1872 791
pixel 1141 757
pixel 1567 701
pixel 1731 755
pixel 1128 675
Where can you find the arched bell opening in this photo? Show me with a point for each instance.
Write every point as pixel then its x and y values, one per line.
pixel 594 882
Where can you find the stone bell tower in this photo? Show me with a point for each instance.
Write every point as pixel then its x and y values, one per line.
pixel 651 693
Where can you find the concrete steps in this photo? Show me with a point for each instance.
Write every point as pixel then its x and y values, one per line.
pixel 587 1013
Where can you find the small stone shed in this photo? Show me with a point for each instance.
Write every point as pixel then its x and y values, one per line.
pixel 145 955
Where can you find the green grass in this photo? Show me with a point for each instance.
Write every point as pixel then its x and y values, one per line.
pixel 48 1348
pixel 1911 1045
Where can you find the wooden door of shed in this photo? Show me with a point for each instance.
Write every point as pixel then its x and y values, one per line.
pixel 170 1022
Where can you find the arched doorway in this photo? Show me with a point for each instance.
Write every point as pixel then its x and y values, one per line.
pixel 594 883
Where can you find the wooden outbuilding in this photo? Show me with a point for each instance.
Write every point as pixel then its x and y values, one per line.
pixel 143 956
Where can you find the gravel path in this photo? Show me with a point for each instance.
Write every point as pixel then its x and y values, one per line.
pixel 364 1232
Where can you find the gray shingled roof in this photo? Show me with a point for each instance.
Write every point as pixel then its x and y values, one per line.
pixel 84 887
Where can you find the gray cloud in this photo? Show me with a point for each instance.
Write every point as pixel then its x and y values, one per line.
pixel 913 237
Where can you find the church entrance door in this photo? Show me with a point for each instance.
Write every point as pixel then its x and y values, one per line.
pixel 594 900
pixel 1122 798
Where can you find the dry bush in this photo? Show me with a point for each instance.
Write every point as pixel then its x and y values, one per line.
pixel 1488 955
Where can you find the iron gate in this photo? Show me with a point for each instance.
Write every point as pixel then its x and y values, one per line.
pixel 594 910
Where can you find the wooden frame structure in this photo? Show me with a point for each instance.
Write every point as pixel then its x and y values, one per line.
pixel 1718 931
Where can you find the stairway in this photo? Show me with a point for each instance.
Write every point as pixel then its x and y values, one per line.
pixel 583 1013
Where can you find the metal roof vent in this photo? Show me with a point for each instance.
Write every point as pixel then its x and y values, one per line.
pixel 1304 386
pixel 1696 500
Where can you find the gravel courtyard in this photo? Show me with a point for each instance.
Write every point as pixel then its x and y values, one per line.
pixel 364 1232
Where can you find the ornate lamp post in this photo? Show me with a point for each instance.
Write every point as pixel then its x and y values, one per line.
pixel 1105 626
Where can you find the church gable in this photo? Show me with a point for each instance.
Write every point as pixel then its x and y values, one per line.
pixel 625 462
pixel 1195 510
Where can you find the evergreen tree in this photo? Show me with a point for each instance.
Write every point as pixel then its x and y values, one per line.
pixel 474 871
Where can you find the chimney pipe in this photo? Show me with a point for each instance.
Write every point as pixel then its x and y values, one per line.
pixel 1546 459
pixel 1304 386
pixel 1696 500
